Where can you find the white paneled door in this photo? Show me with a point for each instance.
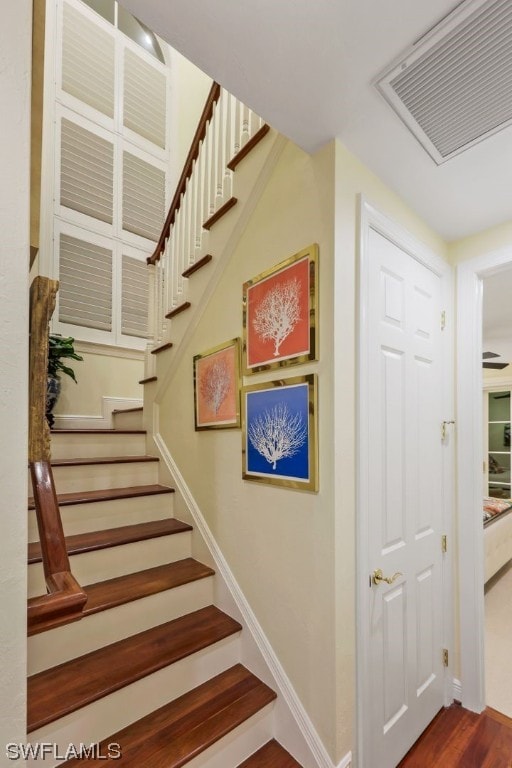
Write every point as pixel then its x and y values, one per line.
pixel 401 437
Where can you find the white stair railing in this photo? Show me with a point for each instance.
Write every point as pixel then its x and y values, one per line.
pixel 205 186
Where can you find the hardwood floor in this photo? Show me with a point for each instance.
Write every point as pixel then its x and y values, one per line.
pixel 457 738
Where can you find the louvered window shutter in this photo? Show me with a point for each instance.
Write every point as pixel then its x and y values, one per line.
pixel 144 98
pixel 85 293
pixel 134 301
pixel 88 61
pixel 87 172
pixel 143 197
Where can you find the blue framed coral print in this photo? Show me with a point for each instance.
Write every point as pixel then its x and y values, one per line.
pixel 279 431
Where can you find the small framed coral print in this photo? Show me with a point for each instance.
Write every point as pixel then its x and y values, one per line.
pixel 280 314
pixel 217 387
pixel 279 433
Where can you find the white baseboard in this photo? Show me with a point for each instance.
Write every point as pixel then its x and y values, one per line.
pixel 105 421
pixel 305 730
pixel 457 689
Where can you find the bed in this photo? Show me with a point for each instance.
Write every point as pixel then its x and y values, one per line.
pixel 497 515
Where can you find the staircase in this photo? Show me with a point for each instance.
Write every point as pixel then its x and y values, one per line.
pixel 151 672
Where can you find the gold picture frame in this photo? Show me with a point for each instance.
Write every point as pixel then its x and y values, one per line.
pixel 217 387
pixel 280 314
pixel 289 407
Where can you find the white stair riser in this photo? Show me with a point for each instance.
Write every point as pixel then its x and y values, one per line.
pixel 87 445
pixel 99 515
pixel 240 744
pixel 115 711
pixel 96 477
pixel 48 649
pixel 102 564
pixel 130 420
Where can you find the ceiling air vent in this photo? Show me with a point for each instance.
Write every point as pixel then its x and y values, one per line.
pixel 453 88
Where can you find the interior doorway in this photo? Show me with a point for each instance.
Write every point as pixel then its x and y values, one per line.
pixel 497 491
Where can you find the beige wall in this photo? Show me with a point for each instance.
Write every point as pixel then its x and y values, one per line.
pixel 98 375
pixel 492 239
pixel 279 543
pixel 352 179
pixel 15 45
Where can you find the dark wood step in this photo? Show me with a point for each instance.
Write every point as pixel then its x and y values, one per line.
pixel 208 224
pixel 107 494
pixel 178 310
pixel 102 460
pixel 201 263
pixel 98 432
pixel 138 409
pixel 63 689
pixel 271 755
pixel 134 586
pixel 258 136
pixel 182 729
pixel 114 537
pixel 162 348
pixel 148 380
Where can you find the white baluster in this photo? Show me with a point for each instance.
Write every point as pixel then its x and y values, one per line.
pixel 228 133
pixel 219 147
pixel 245 125
pixel 212 161
pixel 238 127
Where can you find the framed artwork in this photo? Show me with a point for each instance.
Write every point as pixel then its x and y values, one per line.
pixel 279 433
pixel 280 314
pixel 217 387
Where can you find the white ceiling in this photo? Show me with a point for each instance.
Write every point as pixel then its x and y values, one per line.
pixel 497 314
pixel 307 66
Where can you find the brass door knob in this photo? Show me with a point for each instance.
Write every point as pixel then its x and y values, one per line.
pixel 378 577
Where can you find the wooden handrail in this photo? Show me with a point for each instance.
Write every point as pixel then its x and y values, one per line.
pixel 65 598
pixel 193 154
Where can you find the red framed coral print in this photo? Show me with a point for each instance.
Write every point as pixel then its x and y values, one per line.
pixel 217 387
pixel 280 314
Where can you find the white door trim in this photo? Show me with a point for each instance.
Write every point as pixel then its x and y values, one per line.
pixel 469 471
pixel 371 218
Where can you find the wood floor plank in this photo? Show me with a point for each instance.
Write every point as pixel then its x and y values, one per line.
pixel 84 462
pixel 124 589
pixel 57 691
pixel 182 729
pixel 457 738
pixel 271 755
pixel 114 537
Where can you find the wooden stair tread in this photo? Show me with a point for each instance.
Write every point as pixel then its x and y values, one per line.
pixel 102 460
pixel 113 537
pixel 107 494
pixel 98 432
pixel 148 380
pixel 208 224
pixel 178 310
pixel 162 348
pixel 60 690
pixel 138 409
pixel 124 589
pixel 248 146
pixel 271 755
pixel 182 729
pixel 201 263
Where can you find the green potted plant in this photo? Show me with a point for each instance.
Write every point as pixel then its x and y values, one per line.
pixel 59 347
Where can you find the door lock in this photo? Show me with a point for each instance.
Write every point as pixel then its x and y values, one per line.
pixel 378 577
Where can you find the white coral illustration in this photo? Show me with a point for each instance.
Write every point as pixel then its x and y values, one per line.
pixel 277 433
pixel 215 384
pixel 278 313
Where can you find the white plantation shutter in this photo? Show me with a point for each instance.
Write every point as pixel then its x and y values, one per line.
pixel 85 293
pixel 144 98
pixel 143 197
pixel 88 61
pixel 86 172
pixel 135 296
